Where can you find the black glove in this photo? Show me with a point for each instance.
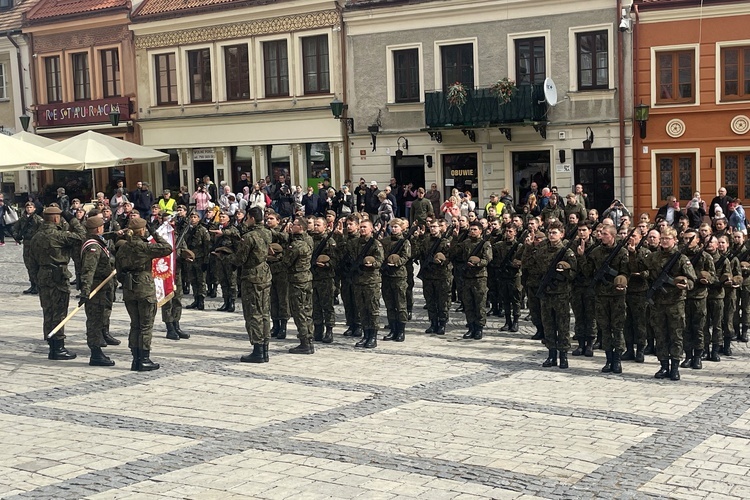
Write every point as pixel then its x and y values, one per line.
pixel 83 300
pixel 67 215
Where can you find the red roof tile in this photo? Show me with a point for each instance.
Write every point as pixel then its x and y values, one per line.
pixel 171 8
pixel 47 9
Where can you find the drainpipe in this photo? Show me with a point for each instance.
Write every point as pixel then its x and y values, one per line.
pixel 342 41
pixel 621 103
pixel 636 137
pixel 9 36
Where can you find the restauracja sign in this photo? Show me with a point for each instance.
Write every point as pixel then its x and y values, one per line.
pixel 82 112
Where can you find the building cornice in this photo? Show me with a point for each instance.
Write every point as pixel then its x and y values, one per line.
pixel 694 13
pixel 67 24
pixel 218 32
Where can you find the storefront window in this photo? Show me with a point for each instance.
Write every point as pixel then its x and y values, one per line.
pixel 460 171
pixel 171 172
pixel 279 161
pixel 318 163
pixel 77 184
pixel 242 163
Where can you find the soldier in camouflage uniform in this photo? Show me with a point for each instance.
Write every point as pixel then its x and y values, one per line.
pixel 279 283
pixel 732 285
pixel 225 240
pixel 198 242
pixel 171 311
pixel 456 256
pixel 741 251
pixel 668 311
pixel 28 224
pixel 710 279
pixel 636 317
pixel 366 254
pixel 133 262
pixel 394 279
pixel 251 255
pixel 297 260
pixel 346 270
pixel 697 306
pixel 508 253
pixel 97 263
pixel 555 302
pixel 532 276
pixel 325 252
pixel 610 295
pixel 583 298
pixel 436 274
pixel 50 253
pixel 493 269
pixel 476 252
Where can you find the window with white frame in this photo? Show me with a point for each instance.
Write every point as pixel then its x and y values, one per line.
pixel 3 83
pixel 165 69
pixel 315 65
pixel 593 60
pixel 404 73
pixel 237 72
pixel 276 68
pixel 457 64
pixel 199 75
pixel 81 77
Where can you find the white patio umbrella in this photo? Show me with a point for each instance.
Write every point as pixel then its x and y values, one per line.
pixel 19 155
pixel 102 151
pixel 36 140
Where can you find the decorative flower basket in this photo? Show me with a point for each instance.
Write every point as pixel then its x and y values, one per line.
pixel 457 95
pixel 503 90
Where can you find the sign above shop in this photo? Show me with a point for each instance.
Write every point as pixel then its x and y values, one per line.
pixel 82 112
pixel 202 154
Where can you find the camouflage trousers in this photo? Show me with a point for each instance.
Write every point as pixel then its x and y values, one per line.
pixel 712 331
pixel 197 278
pixel 535 307
pixel 256 309
pixel 98 311
pixel 437 295
pixel 279 296
pixel 583 302
pixel 27 261
pixel 367 302
pixel 730 306
pixel 226 276
pixel 509 295
pixel 475 300
pixel 54 302
pixel 351 311
pixel 410 285
pixel 636 319
pixel 172 310
pixel 668 321
pixel 493 285
pixel 394 296
pixel 301 305
pixel 610 318
pixel 142 313
pixel 742 313
pixel 555 312
pixel 323 292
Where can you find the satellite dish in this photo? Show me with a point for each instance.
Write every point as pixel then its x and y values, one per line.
pixel 550 92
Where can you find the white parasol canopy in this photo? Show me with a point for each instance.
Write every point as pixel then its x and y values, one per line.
pixel 36 140
pixel 20 155
pixel 102 151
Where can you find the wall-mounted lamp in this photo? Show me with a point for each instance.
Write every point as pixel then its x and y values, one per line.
pixel 641 116
pixel 401 142
pixel 114 116
pixel 25 120
pixel 561 154
pixel 338 108
pixel 428 160
pixel 589 139
pixel 374 129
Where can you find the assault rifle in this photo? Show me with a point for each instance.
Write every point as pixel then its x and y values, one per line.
pixel 664 278
pixel 430 256
pixel 507 259
pixel 322 245
pixel 549 276
pixel 398 246
pixel 605 270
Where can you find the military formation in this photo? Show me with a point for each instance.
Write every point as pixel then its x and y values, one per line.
pixel 632 290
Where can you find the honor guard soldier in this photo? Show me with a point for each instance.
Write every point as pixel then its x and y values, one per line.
pixel 508 252
pixel 51 249
pixel 436 274
pixel 636 318
pixel 198 241
pixel 226 237
pixel 350 234
pixel 297 258
pixel 323 270
pixel 279 284
pixel 133 262
pixel 28 224
pixel 583 297
pixel 367 257
pixel 397 250
pixel 476 252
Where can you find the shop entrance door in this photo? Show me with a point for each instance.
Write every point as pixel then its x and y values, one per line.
pixel 528 167
pixel 460 171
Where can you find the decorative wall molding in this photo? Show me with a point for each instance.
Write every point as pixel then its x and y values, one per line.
pixel 285 24
pixel 675 128
pixel 740 124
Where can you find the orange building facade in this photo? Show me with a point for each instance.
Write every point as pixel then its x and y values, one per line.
pixel 692 67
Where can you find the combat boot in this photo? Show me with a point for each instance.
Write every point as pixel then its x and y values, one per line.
pixel 58 352
pixel 317 333
pixel 629 355
pixel 616 364
pixel 432 328
pixel 361 342
pixel 607 368
pixel 201 305
pixel 514 325
pixel 29 290
pixel 508 323
pixel 358 332
pixel 186 288
pixel 580 349
pixel 539 335
pixel 281 335
pixel 264 350
pixel 664 370
pixel 674 372
pixel 230 305
pixel 305 347
pixel 400 332
pixel 563 360
pixel 598 341
pixel 212 291
pixel 714 353
pixel 145 364
pixel 256 356
pixel 551 358
pixel 348 331
pixel 98 358
pixel 477 331
pixel 639 357
pixel 688 361
pixel 727 346
pixel 193 304
pixel 171 334
pixel 275 329
pixel 589 348
pixel 136 359
pixel 697 363
pixel 391 331
pixel 495 310
pixel 470 333
pixel 372 339
pixel 224 306
pixel 179 331
pixel 649 347
pixel 440 328
pixel 328 335
pixel 743 334
pixel 109 339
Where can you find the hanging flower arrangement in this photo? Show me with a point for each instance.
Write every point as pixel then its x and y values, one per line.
pixel 503 90
pixel 457 95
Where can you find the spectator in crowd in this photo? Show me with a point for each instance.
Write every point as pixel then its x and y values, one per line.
pixel 451 208
pixel 202 199
pixel 467 204
pixel 118 200
pixel 737 220
pixel 409 195
pixel 385 208
pixel 494 203
pixel 532 206
pixel 310 201
pixel 345 201
pixel 433 196
pixel 210 188
pixel 581 197
pixel 393 199
pixel 616 211
pixel 696 210
pixel 167 203
pixel 184 197
pixel 507 200
pixel 62 199
pixel 285 199
pixel 360 193
pixel 4 209
pixel 721 200
pixel 398 196
pixel 242 183
pixel 143 198
pixel 670 212
pixel 372 202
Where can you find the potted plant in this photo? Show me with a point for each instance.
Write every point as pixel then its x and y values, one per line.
pixel 503 90
pixel 457 95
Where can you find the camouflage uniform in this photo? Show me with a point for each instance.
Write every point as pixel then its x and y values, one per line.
pixel 507 254
pixel 23 231
pixel 198 241
pixel 296 260
pixel 279 291
pixel 224 271
pixel 393 284
pixel 532 274
pixel 171 311
pixel 493 274
pixel 555 306
pixel 456 256
pixel 345 271
pixel 366 283
pixel 583 302
pixel 743 311
pixel 323 290
pixel 50 252
pixel 610 302
pixel 97 263
pixel 436 280
pixel 636 317
pixel 700 325
pixel 730 306
pixel 474 285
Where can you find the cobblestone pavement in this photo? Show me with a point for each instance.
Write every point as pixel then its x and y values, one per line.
pixel 434 417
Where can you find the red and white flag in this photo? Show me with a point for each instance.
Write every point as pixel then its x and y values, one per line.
pixel 163 268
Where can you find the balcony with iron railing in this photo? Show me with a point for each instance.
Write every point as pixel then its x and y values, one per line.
pixel 484 109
